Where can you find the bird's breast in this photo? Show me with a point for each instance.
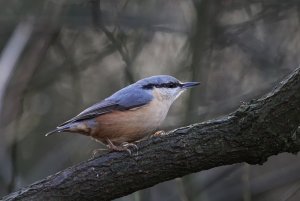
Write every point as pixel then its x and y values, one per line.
pixel 131 125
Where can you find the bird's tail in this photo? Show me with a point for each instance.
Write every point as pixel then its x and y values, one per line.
pixel 58 130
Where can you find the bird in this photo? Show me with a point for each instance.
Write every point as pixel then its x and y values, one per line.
pixel 128 115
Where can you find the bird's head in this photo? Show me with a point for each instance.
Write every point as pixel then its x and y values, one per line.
pixel 166 87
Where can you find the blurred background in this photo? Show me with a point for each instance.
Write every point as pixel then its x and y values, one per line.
pixel 59 57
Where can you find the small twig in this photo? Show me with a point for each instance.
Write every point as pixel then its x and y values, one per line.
pixel 122 49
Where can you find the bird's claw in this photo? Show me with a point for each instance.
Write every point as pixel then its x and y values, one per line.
pixel 127 145
pixel 123 147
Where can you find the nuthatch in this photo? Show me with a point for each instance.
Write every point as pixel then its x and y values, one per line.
pixel 130 114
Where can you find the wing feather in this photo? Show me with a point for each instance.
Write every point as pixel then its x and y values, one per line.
pixel 125 99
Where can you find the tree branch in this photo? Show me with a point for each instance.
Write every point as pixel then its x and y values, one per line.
pixel 257 130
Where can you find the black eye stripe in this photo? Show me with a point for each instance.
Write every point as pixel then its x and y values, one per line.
pixel 164 85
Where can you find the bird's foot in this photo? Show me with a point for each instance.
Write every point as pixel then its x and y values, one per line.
pixel 125 146
pixel 158 134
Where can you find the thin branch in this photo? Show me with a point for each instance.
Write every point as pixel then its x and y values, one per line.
pixel 122 49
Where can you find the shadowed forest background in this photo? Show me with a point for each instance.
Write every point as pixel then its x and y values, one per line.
pixel 59 57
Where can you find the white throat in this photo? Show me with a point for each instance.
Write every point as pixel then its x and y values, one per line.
pixel 166 96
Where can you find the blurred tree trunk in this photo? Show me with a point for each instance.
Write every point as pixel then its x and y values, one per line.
pixel 257 130
pixel 201 48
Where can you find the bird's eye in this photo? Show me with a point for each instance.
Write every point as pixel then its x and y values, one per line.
pixel 171 85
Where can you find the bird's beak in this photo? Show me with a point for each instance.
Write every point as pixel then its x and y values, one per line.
pixel 187 85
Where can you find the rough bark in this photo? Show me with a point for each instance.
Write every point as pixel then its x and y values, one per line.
pixel 251 134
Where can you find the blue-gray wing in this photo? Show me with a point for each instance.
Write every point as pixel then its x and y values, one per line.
pixel 125 99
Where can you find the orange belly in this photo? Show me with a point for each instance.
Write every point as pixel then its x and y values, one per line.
pixel 125 126
pixel 121 127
